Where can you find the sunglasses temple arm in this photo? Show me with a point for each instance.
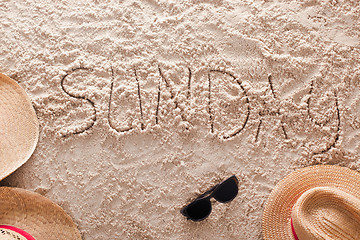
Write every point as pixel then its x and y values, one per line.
pixel 235 179
pixel 209 192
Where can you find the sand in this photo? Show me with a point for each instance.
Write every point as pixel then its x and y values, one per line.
pixel 143 105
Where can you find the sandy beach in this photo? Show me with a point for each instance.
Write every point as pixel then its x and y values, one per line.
pixel 144 105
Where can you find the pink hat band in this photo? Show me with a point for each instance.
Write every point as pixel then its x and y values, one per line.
pixel 11 232
pixel 293 230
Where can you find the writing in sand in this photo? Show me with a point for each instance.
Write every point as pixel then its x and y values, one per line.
pixel 215 98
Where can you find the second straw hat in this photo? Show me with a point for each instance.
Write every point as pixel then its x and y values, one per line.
pixel 27 215
pixel 318 202
pixel 19 127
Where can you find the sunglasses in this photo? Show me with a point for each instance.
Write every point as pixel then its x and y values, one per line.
pixel 200 208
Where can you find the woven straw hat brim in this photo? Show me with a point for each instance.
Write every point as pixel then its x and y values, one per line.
pixel 19 127
pixel 277 212
pixel 36 215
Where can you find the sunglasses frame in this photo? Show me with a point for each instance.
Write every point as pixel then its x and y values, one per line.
pixel 207 196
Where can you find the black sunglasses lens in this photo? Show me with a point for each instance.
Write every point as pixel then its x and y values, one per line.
pixel 227 190
pixel 199 209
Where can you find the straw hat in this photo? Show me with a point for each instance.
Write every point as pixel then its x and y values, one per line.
pixel 26 214
pixel 19 127
pixel 318 202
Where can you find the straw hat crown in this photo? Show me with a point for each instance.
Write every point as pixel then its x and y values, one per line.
pixel 326 213
pixel 314 203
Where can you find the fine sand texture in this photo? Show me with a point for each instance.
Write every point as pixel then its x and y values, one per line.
pixel 144 105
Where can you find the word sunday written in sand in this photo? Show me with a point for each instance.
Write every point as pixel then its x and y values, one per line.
pixel 217 99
